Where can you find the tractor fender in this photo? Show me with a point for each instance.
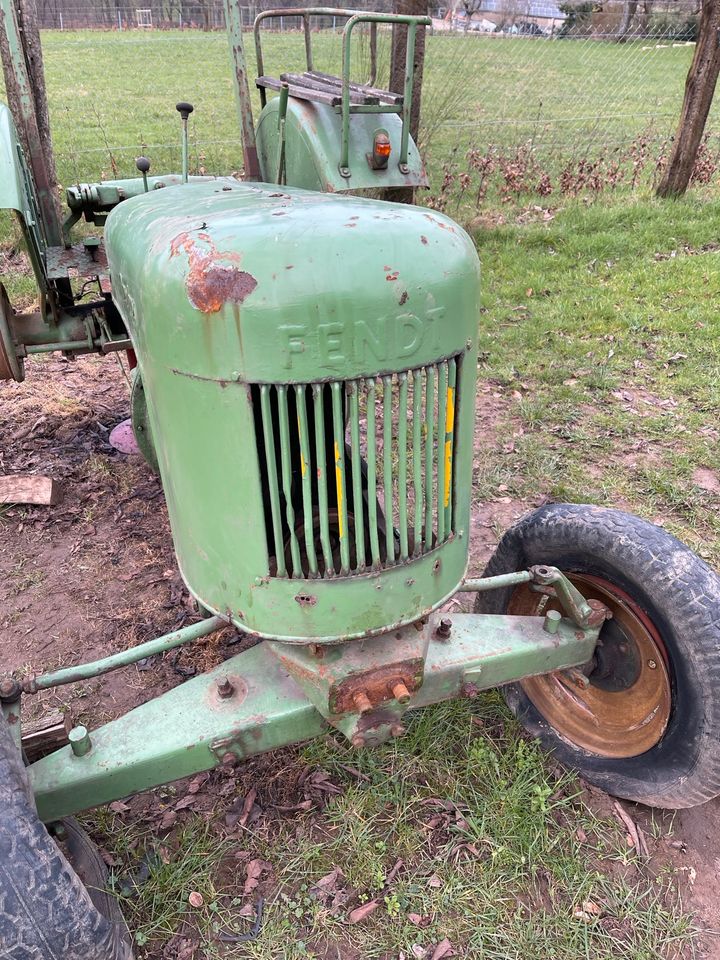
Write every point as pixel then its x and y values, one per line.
pixel 313 135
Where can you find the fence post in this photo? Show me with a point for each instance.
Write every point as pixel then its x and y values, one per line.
pixel 61 20
pixel 119 20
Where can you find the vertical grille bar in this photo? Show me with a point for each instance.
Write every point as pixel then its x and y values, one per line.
pixel 321 464
pixel 449 445
pixel 387 469
pixel 346 448
pixel 274 491
pixel 442 415
pixel 372 473
pixel 286 465
pixel 306 478
pixel 417 460
pixel 429 453
pixel 340 487
pixel 402 464
pixel 358 513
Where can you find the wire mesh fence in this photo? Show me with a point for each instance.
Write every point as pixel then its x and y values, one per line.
pixel 534 104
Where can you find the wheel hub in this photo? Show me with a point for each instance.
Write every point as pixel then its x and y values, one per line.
pixel 625 707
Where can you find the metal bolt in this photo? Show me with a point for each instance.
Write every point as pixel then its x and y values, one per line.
pixel 316 650
pixel 469 690
pixel 358 741
pixel 362 702
pixel 400 692
pixel 229 759
pixel 225 688
pixel 79 741
pixel 397 730
pixel 652 664
pixel 10 690
pixel 552 621
pixel 443 629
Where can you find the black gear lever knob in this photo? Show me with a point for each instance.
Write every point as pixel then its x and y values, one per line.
pixel 184 109
pixel 143 164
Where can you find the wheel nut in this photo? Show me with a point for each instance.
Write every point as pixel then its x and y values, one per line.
pixel 652 664
pixel 225 688
pixel 443 629
pixel 400 692
pixel 362 702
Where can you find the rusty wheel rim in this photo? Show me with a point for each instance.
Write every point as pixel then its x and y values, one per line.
pixel 625 708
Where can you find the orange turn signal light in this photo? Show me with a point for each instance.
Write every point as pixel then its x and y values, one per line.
pixel 381 148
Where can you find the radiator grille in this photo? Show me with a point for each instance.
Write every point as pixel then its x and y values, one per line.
pixel 357 475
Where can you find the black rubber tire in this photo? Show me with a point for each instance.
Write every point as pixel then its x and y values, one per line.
pixel 45 911
pixel 681 596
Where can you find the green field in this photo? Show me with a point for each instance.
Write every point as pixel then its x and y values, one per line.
pixel 118 90
pixel 600 382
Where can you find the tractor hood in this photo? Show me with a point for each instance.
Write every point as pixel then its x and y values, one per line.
pixel 252 283
pixel 299 351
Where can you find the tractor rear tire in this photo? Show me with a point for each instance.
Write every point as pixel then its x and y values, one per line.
pixel 45 911
pixel 647 727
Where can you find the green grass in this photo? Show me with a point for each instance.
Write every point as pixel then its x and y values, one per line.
pixel 500 855
pixel 611 345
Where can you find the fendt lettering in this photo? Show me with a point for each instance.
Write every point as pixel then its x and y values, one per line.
pixel 363 342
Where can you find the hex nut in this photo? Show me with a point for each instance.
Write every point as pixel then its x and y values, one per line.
pixel 362 702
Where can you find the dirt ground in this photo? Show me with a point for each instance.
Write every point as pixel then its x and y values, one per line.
pixel 97 574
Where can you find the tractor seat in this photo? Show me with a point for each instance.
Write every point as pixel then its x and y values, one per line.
pixel 324 88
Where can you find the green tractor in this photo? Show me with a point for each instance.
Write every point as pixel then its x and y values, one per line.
pixel 305 386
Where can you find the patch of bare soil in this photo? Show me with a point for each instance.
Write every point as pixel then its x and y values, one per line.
pixel 97 574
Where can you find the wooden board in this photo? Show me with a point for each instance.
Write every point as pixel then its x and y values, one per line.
pixel 29 489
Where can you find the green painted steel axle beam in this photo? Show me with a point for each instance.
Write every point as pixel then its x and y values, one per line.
pixel 252 704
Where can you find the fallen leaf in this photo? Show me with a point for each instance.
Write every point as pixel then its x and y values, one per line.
pixel 168 820
pixel 117 806
pixel 435 881
pixel 196 899
pixel 418 951
pixel 187 801
pixel 415 918
pixel 197 782
pixel 443 949
pixel 328 883
pixel 362 912
pixel 255 870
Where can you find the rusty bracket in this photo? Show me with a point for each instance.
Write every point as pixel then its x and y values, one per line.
pixel 585 613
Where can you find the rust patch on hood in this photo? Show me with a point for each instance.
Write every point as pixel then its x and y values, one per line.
pixel 211 283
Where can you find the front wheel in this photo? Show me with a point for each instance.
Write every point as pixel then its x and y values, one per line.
pixel 645 724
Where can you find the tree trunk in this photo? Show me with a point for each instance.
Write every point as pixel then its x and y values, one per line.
pixel 32 120
pixel 699 90
pixel 629 9
pixel 413 8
